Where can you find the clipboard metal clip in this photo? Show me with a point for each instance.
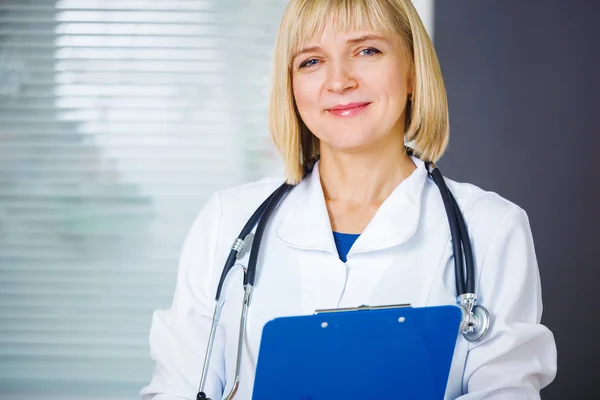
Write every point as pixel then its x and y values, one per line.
pixel 362 308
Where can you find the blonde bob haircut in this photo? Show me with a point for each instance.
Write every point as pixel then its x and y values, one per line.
pixel 426 128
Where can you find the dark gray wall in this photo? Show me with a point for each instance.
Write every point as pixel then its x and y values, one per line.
pixel 524 91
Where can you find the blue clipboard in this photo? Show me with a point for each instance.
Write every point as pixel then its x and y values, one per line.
pixel 392 352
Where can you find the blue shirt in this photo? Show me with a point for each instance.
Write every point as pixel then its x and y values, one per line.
pixel 343 243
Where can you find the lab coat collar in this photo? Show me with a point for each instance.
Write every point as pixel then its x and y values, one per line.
pixel 307 225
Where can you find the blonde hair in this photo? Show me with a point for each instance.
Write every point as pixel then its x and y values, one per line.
pixel 426 128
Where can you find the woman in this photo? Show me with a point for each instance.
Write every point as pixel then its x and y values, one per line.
pixel 353 81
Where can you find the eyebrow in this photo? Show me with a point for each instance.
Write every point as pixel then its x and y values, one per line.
pixel 355 40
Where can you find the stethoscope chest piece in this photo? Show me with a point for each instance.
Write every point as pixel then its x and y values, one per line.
pixel 482 324
pixel 475 321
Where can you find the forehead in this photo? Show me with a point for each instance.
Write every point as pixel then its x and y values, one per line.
pixel 352 37
pixel 339 18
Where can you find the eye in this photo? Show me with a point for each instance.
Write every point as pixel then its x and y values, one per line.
pixel 369 51
pixel 308 63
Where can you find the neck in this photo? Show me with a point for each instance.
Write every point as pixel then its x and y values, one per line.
pixel 366 177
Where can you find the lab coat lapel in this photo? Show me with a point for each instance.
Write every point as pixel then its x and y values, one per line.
pixel 307 225
pixel 397 219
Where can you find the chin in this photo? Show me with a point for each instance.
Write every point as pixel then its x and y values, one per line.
pixel 351 143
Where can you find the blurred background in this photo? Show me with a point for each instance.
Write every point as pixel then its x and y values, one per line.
pixel 118 118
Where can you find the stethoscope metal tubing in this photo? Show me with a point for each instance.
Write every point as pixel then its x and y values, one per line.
pixel 209 349
pixel 240 348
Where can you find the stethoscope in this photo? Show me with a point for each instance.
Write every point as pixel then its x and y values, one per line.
pixel 475 319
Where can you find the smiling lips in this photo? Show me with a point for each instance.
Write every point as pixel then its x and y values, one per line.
pixel 348 110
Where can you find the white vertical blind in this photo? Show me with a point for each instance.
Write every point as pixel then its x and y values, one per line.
pixel 117 119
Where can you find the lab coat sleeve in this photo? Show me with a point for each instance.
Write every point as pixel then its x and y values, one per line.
pixel 518 356
pixel 179 335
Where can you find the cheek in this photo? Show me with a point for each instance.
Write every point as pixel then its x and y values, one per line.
pixel 300 96
pixel 306 96
pixel 395 85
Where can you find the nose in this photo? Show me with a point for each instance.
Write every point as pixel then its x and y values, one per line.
pixel 340 77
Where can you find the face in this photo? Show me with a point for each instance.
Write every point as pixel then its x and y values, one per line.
pixel 351 89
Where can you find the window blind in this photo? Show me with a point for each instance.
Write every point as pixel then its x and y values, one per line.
pixel 118 118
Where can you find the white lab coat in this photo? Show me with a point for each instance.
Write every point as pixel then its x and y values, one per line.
pixel 403 256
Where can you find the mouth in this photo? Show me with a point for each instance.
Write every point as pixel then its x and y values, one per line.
pixel 348 110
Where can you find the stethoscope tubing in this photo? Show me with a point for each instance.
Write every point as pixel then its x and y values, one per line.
pixel 233 253
pixel 260 230
pixel 459 235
